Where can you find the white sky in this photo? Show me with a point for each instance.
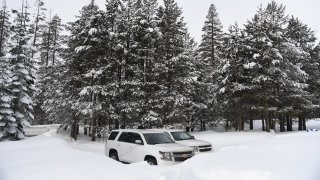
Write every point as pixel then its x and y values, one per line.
pixel 195 11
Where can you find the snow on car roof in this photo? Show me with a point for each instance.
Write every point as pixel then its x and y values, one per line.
pixel 143 131
pixel 168 130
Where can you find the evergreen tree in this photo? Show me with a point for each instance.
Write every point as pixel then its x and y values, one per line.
pixel 210 56
pixel 315 83
pixel 4 28
pixel 57 40
pixel 54 101
pixel 114 69
pixel 211 43
pixel 88 64
pixel 304 39
pixel 45 46
pixel 38 26
pixel 8 127
pixel 234 81
pixel 277 78
pixel 171 70
pixel 145 34
pixel 52 40
pixel 128 82
pixel 21 87
pixel 44 74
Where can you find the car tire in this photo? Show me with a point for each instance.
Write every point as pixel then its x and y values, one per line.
pixel 152 161
pixel 114 155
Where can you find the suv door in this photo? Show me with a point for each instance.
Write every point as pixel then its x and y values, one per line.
pixel 127 146
pixel 137 152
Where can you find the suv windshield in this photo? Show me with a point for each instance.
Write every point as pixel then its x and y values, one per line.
pixel 181 135
pixel 157 138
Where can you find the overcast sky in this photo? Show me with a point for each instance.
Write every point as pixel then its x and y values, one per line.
pixel 195 11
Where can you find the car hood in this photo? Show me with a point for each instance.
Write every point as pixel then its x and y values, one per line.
pixel 173 147
pixel 194 142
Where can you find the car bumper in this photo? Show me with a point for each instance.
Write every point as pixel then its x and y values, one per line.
pixel 167 163
pixel 173 162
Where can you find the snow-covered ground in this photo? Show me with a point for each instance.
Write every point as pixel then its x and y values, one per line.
pixel 237 156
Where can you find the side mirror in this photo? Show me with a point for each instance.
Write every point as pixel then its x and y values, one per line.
pixel 138 142
pixel 192 137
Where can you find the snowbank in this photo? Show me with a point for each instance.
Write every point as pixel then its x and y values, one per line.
pixel 237 155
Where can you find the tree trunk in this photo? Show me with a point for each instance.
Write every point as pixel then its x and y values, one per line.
pixel 300 128
pixel 204 126
pixel 36 30
pixel 271 123
pixel 266 116
pixel 48 46
pixel 262 121
pixel 304 124
pixel 85 130
pixel 281 122
pixel 93 130
pixel 251 119
pixel 73 130
pixel 54 47
pixel 274 124
pixel 117 124
pixel 77 129
pixel 93 134
pixel 289 123
pixel 240 121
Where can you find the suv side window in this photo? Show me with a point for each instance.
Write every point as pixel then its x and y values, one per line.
pixel 129 137
pixel 113 135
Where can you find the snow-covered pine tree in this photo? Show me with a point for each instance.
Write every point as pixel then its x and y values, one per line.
pixel 128 80
pixel 58 38
pixel 278 79
pixel 88 64
pixel 145 34
pixel 190 93
pixel 39 23
pixel 315 87
pixel 46 76
pixel 45 46
pixel 7 120
pixel 52 39
pixel 52 105
pixel 114 56
pixel 5 25
pixel 304 39
pixel 233 91
pixel 21 87
pixel 209 52
pixel 170 63
pixel 211 42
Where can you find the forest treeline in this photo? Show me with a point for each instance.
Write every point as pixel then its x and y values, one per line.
pixel 134 64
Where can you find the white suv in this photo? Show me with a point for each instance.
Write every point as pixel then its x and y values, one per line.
pixel 184 138
pixel 155 147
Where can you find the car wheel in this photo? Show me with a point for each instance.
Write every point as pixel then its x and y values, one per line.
pixel 114 155
pixel 152 161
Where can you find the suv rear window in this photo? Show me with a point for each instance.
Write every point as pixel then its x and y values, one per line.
pixel 113 135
